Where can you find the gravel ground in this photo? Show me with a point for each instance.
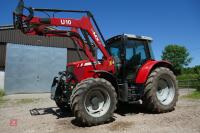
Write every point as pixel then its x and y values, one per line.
pixel 35 113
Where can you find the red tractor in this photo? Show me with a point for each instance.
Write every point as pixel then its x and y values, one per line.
pixel 91 88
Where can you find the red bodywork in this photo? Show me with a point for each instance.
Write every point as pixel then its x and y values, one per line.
pixel 146 69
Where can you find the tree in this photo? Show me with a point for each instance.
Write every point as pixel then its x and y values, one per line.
pixel 177 55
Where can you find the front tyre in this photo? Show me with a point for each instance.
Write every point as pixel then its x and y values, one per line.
pixel 64 106
pixel 93 101
pixel 58 96
pixel 161 93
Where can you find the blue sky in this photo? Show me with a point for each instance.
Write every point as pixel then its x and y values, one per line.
pixel 166 21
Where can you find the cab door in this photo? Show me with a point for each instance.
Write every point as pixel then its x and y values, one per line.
pixel 136 54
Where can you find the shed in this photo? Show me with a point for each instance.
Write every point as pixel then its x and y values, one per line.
pixel 31 62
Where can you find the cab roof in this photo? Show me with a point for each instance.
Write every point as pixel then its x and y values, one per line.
pixel 129 36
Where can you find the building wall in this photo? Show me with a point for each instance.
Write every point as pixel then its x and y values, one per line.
pixel 17 37
pixel 2 55
pixel 20 80
pixel 2 75
pixel 72 55
pixel 30 69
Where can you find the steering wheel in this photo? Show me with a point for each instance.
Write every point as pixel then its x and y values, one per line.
pixel 20 20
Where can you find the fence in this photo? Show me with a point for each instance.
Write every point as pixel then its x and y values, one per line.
pixel 189 83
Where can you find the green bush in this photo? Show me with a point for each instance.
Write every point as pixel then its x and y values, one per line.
pixel 2 93
pixel 187 76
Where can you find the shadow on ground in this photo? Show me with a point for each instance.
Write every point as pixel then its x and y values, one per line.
pixel 75 122
pixel 124 109
pixel 51 110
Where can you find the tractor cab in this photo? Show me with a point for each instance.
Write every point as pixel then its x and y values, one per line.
pixel 130 52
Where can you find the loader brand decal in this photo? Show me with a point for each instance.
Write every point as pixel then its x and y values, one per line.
pixel 110 63
pixel 87 64
pixel 65 22
pixel 95 35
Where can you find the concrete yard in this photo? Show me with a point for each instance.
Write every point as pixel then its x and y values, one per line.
pixel 34 113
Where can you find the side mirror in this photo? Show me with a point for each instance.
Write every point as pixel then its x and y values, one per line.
pixel 20 7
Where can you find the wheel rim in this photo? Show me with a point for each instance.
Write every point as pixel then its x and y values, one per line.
pixel 165 90
pixel 97 102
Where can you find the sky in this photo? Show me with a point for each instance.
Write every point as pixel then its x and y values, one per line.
pixel 166 21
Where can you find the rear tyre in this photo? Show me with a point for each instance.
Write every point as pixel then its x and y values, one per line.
pixel 93 101
pixel 161 93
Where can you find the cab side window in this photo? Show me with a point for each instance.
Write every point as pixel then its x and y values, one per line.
pixel 135 52
pixel 134 58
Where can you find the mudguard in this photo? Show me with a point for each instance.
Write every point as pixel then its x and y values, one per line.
pixel 54 87
pixel 145 70
pixel 55 83
pixel 108 76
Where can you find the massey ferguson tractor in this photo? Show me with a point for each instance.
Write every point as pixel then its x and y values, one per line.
pixel 127 72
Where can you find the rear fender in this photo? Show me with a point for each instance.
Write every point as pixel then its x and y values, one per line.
pixel 148 67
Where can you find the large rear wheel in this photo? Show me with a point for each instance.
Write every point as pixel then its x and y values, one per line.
pixel 93 101
pixel 161 93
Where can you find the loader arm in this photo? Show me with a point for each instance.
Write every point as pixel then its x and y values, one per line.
pixel 84 24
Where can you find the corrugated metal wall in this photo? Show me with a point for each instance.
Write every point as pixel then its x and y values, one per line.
pixel 72 55
pixel 17 37
pixel 30 69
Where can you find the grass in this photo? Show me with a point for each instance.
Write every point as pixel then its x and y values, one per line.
pixel 193 95
pixel 2 93
pixel 2 101
pixel 17 101
pixel 25 101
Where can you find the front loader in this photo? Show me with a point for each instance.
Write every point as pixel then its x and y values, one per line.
pixel 91 88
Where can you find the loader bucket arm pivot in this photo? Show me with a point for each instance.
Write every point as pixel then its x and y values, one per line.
pixel 19 20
